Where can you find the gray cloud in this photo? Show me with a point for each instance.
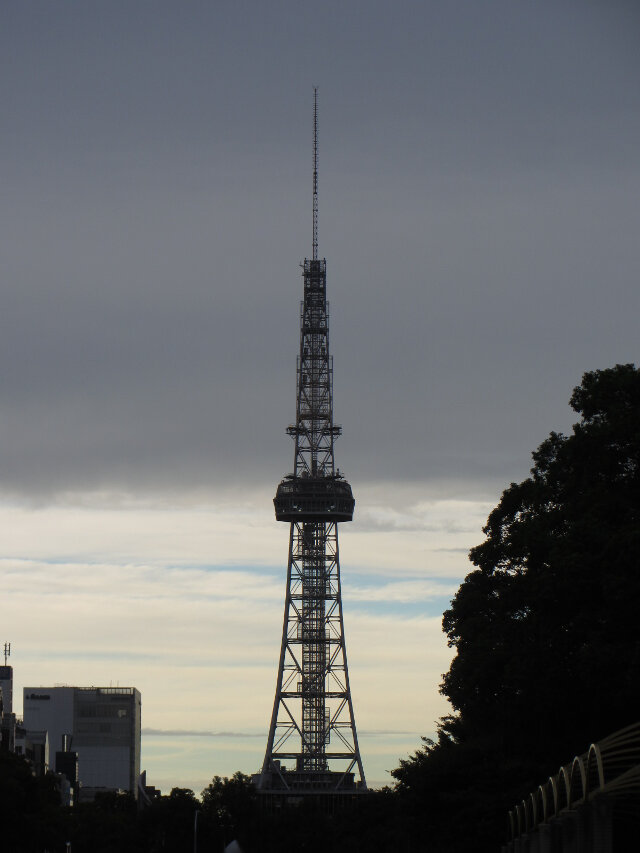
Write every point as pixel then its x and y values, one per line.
pixel 179 733
pixel 479 193
pixel 191 733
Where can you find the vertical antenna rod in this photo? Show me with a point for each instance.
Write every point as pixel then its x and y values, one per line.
pixel 7 652
pixel 315 173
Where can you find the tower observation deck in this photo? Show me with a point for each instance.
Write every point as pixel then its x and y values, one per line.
pixel 312 746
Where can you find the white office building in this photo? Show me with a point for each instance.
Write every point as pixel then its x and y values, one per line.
pixel 104 724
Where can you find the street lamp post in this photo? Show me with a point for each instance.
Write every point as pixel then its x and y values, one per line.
pixel 195 831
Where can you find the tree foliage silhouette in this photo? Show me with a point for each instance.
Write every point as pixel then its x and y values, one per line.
pixel 545 629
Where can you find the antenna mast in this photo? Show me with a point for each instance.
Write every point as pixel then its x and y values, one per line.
pixel 315 173
pixel 7 652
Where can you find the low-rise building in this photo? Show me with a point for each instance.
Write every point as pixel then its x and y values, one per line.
pixel 104 725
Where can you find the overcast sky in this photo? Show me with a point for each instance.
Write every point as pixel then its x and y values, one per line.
pixel 479 206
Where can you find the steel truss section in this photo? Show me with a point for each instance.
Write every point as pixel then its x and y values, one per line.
pixel 313 722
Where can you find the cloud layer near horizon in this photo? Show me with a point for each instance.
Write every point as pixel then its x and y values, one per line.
pixel 200 642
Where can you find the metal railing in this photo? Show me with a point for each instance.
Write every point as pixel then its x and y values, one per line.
pixel 609 767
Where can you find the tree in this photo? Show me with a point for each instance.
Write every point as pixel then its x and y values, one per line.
pixel 230 808
pixel 30 815
pixel 545 629
pixel 105 825
pixel 168 823
pixel 230 799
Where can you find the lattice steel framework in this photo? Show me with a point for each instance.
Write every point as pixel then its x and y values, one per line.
pixel 313 724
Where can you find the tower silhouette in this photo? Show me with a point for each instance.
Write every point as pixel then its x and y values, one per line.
pixel 312 746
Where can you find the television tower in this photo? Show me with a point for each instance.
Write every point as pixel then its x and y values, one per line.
pixel 313 746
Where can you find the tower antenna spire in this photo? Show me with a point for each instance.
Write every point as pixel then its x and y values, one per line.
pixel 315 173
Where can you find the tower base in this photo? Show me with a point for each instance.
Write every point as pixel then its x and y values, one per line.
pixel 327 791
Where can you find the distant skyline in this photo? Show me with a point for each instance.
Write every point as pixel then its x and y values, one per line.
pixel 479 197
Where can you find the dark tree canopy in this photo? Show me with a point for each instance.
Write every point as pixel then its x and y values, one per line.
pixel 546 627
